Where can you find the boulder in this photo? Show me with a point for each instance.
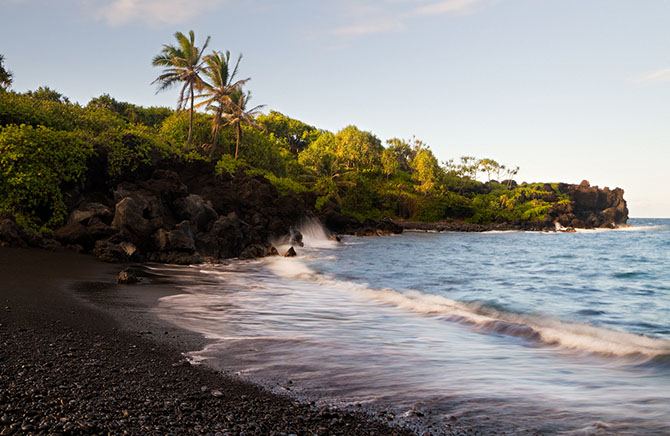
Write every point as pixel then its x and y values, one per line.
pixel 227 238
pixel 179 239
pixel 290 252
pixel 132 220
pixel 253 251
pixel 388 227
pixel 131 250
pixel 111 252
pixel 75 233
pixel 296 238
pixel 10 233
pixel 339 223
pixel 84 213
pixel 176 258
pixel 166 185
pixel 127 276
pixel 195 209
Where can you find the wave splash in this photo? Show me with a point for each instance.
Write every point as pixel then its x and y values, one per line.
pixel 313 236
pixel 532 327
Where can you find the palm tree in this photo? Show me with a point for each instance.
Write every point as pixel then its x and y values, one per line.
pixel 238 114
pixel 182 63
pixel 5 75
pixel 218 89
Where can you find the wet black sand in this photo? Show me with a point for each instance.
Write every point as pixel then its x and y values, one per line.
pixel 72 366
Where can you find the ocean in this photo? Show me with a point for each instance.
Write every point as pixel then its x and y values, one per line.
pixel 515 332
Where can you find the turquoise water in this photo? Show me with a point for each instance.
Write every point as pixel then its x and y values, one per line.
pixel 528 333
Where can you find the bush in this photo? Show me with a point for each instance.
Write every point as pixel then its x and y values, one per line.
pixel 229 164
pixel 174 129
pixel 35 111
pixel 34 165
pixel 129 147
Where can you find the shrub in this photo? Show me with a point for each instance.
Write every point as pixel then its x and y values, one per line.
pixel 34 165
pixel 129 147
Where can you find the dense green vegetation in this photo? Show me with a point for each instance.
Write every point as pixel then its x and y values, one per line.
pixel 47 143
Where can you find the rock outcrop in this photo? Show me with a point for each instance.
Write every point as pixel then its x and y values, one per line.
pixel 184 214
pixel 338 223
pixel 590 207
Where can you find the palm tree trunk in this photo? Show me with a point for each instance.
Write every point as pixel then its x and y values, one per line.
pixel 237 145
pixel 216 124
pixel 190 123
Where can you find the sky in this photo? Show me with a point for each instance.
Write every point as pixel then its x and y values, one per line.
pixel 565 89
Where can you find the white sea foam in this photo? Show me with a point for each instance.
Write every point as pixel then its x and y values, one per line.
pixel 290 268
pixel 625 228
pixel 549 330
pixel 541 328
pixel 314 235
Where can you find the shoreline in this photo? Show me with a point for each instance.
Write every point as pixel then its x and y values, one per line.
pixel 464 227
pixel 75 367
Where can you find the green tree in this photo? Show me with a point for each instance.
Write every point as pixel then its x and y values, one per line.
pixel 390 162
pixel 320 156
pixel 489 166
pixel 45 93
pixel 427 170
pixel 6 76
pixel 290 133
pixel 356 149
pixel 405 151
pixel 468 167
pixel 218 89
pixel 151 116
pixel 182 63
pixel 509 174
pixel 238 114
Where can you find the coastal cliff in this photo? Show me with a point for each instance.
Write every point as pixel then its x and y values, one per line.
pixel 184 213
pixel 590 207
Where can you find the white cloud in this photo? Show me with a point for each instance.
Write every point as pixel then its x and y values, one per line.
pixel 446 7
pixel 154 12
pixel 361 29
pixel 393 15
pixel 655 77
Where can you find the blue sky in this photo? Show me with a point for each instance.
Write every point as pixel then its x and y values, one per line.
pixel 566 89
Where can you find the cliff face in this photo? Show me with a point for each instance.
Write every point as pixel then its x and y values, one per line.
pixel 590 207
pixel 177 214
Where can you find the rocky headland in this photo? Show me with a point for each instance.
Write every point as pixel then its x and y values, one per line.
pixel 182 213
pixel 588 207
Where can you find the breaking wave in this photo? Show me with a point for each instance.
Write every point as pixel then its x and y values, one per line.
pixel 532 327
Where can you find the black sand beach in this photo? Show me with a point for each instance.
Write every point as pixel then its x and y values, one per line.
pixel 70 367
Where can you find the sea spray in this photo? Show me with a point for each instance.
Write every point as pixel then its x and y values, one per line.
pixel 312 235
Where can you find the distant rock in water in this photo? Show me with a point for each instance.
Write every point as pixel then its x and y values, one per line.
pixel 590 207
pixel 290 253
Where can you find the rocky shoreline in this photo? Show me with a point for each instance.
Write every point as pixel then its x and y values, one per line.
pixel 185 214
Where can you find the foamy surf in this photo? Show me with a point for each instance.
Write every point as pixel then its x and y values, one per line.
pixel 538 328
pixel 413 339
